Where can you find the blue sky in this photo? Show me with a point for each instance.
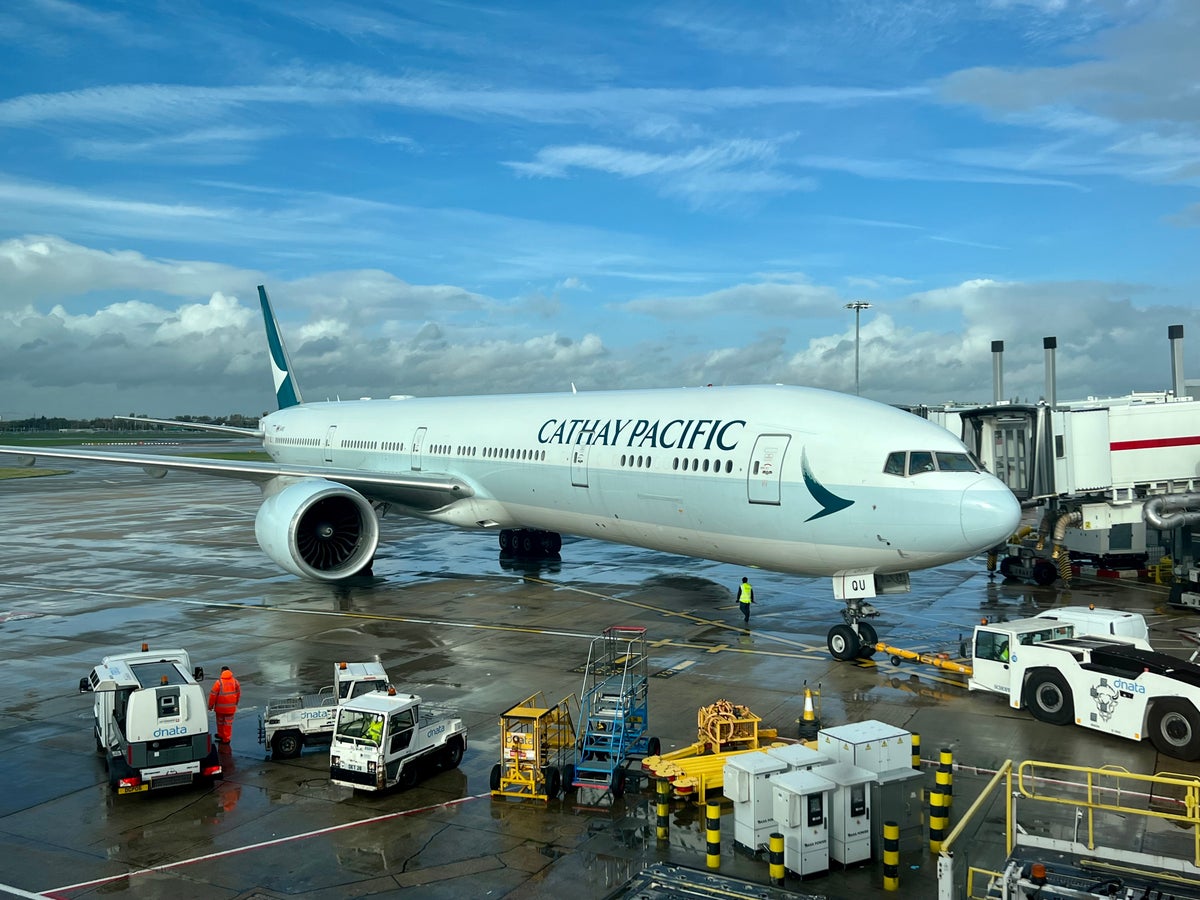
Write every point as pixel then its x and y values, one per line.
pixel 449 198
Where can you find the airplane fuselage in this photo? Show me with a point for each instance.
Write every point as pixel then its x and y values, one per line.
pixel 785 478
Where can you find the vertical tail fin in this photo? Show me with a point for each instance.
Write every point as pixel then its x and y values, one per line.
pixel 287 392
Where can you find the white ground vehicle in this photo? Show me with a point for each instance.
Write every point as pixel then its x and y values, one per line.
pixel 1186 592
pixel 386 738
pixel 290 723
pixel 1117 685
pixel 151 720
pixel 1089 620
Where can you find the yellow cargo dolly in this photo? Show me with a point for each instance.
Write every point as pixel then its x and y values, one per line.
pixel 536 743
pixel 723 729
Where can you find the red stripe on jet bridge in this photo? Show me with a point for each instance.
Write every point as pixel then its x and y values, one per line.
pixel 1155 443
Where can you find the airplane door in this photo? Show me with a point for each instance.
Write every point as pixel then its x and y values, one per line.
pixel 329 443
pixel 766 465
pixel 418 443
pixel 579 465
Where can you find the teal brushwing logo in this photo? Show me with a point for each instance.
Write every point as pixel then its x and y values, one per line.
pixel 830 502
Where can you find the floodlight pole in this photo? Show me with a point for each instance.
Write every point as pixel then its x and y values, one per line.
pixel 858 306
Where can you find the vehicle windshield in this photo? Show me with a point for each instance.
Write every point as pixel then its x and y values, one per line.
pixel 359 727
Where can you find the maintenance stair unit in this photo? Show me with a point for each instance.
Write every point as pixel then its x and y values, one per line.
pixel 614 708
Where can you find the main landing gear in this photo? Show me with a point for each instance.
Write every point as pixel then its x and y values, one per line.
pixel 857 638
pixel 529 543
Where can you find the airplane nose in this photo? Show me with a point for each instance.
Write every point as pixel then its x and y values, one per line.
pixel 989 513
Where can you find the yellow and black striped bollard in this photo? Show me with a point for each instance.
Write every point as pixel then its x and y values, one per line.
pixel 775 857
pixel 916 751
pixel 891 856
pixel 664 810
pixel 712 833
pixel 945 776
pixel 939 819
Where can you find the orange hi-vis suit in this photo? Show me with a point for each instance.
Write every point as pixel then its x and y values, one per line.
pixel 223 700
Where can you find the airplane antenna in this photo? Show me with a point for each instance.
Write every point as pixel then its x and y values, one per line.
pixel 573 391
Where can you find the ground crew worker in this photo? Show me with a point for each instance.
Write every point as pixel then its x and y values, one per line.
pixel 374 731
pixel 223 700
pixel 745 596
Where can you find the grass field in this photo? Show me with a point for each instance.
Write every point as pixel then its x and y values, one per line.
pixel 188 444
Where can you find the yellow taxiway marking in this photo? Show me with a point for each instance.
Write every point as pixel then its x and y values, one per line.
pixel 799 652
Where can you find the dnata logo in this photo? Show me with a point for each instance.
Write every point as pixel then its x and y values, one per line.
pixel 173 731
pixel 1122 685
pixel 434 732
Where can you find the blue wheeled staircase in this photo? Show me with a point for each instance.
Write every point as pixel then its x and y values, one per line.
pixel 614 710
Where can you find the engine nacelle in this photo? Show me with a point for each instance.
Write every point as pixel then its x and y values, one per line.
pixel 317 529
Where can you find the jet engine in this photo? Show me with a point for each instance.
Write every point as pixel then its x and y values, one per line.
pixel 317 529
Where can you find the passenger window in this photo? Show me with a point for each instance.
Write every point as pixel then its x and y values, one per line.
pixel 920 461
pixel 895 463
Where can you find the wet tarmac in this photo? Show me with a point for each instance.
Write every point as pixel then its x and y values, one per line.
pixel 102 559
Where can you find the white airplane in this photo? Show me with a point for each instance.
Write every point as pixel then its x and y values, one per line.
pixel 790 479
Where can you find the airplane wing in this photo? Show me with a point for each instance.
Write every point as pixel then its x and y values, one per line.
pixel 417 490
pixel 197 426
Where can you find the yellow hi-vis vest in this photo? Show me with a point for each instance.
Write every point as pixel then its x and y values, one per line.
pixel 746 592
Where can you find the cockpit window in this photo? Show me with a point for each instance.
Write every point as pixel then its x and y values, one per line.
pixel 920 461
pixel 895 463
pixel 914 462
pixel 954 462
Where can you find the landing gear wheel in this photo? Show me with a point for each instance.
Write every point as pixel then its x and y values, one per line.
pixel 506 541
pixel 843 643
pixel 454 754
pixel 868 638
pixel 1048 697
pixel 494 778
pixel 1175 729
pixel 286 745
pixel 550 776
pixel 1044 572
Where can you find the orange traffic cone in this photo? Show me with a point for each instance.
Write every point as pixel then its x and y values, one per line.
pixel 809 723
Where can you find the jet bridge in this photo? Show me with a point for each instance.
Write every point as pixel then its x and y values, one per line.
pixel 1098 469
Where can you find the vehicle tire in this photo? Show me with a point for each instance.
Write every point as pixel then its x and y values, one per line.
pixel 551 777
pixel 1044 572
pixel 843 642
pixel 653 747
pixel 1175 728
pixel 868 638
pixel 567 777
pixel 453 754
pixel 896 661
pixel 617 784
pixel 286 745
pixel 409 776
pixel 494 778
pixel 1006 567
pixel 1048 697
